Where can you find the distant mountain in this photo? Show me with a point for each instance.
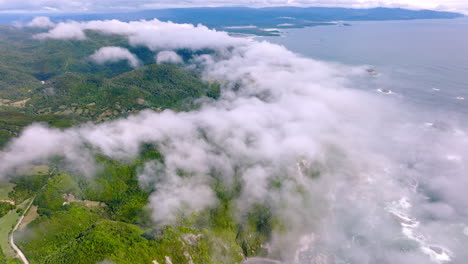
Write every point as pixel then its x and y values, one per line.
pixel 261 17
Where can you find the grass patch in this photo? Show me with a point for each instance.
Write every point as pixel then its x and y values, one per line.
pixel 7 223
pixel 30 216
pixel 5 188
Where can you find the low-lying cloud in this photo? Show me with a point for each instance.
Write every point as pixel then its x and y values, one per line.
pixel 353 177
pixel 41 22
pixel 168 56
pixel 114 54
pixel 68 31
pixel 169 35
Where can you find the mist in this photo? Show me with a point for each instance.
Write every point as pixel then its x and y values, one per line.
pixel 41 22
pixel 379 184
pixel 114 54
pixel 168 57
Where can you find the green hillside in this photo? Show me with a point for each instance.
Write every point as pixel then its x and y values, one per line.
pixel 105 218
pixel 54 81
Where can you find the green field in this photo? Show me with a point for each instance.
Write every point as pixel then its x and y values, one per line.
pixel 5 188
pixel 7 223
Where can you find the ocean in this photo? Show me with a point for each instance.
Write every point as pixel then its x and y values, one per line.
pixel 423 65
pixel 424 62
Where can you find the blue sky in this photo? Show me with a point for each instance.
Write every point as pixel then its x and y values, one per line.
pixel 116 5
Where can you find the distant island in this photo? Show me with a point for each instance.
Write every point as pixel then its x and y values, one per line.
pixel 255 21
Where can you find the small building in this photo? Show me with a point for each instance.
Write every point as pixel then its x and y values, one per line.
pixel 69 197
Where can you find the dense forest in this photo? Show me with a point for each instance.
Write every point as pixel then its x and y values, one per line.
pixel 104 219
pixel 82 220
pixel 54 82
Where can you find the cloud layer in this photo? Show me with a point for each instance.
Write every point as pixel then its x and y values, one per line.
pixel 352 176
pixel 169 35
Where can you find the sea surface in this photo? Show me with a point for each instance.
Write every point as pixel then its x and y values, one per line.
pixel 424 62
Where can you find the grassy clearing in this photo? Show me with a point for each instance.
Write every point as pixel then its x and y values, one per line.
pixel 7 223
pixel 30 216
pixel 5 188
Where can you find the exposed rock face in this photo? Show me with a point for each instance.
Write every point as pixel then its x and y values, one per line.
pixel 168 260
pixel 192 239
pixel 141 101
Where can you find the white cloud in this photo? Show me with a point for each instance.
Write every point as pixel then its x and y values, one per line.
pixel 67 31
pixel 282 119
pixel 41 22
pixel 175 196
pixel 114 54
pixel 168 57
pixel 169 35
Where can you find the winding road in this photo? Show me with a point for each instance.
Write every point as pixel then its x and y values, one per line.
pixel 12 237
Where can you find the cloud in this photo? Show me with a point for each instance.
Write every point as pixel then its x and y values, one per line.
pixel 114 54
pixel 66 31
pixel 176 196
pixel 168 57
pixel 41 22
pixel 350 175
pixel 32 149
pixel 170 35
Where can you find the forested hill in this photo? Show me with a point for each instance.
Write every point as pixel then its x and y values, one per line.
pixel 104 219
pixel 54 81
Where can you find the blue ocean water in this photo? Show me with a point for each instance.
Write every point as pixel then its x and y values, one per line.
pixel 424 62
